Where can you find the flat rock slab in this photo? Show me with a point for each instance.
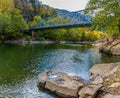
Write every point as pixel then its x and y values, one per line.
pixel 111 96
pixel 105 69
pixel 61 83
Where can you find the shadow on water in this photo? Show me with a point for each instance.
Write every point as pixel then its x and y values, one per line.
pixel 20 65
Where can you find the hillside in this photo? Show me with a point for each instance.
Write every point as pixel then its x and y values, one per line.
pixel 31 8
pixel 76 17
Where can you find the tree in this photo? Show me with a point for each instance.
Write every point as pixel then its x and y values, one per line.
pixel 18 24
pixel 12 25
pixel 35 22
pixel 107 14
pixel 4 24
pixel 46 11
pixel 58 20
pixel 6 5
pixel 74 35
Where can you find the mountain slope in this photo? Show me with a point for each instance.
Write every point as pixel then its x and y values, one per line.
pixel 76 17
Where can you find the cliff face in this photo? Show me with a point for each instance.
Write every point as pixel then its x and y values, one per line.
pixel 31 8
pixel 26 8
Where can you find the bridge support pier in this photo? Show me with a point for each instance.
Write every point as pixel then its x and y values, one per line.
pixel 33 34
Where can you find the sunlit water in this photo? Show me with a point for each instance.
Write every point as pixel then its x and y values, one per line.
pixel 20 65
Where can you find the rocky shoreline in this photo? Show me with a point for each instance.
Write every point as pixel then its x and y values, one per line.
pixel 111 47
pixel 104 83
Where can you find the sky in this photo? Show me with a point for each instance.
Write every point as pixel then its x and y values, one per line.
pixel 71 5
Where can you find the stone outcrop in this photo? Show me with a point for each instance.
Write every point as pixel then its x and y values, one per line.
pixel 89 91
pixel 61 84
pixel 105 69
pixel 25 7
pixel 112 47
pixel 104 83
pixel 96 79
pixel 109 76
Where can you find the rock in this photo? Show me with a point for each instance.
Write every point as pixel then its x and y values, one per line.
pixel 42 78
pixel 105 69
pixel 111 96
pixel 61 84
pixel 89 91
pixel 112 47
pixel 62 90
pixel 116 85
pixel 74 87
pixel 97 80
pixel 106 80
pixel 93 76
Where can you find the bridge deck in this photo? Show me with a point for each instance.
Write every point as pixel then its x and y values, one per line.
pixel 60 26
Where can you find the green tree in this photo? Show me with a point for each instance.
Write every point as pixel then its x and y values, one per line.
pixel 5 21
pixel 74 35
pixel 6 5
pixel 35 22
pixel 46 11
pixel 107 14
pixel 18 24
pixel 12 25
pixel 58 20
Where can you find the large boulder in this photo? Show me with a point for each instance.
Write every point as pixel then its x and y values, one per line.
pixel 105 69
pixel 74 87
pixel 112 47
pixel 61 84
pixel 89 91
pixel 97 79
pixel 108 76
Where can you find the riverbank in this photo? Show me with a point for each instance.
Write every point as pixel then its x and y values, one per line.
pixel 104 82
pixel 96 43
pixel 109 75
pixel 27 42
pixel 111 47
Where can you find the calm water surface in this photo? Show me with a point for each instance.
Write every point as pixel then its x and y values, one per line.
pixel 20 65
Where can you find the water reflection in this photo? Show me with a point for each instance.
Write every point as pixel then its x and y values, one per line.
pixel 20 65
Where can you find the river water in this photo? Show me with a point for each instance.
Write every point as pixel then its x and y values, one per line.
pixel 21 64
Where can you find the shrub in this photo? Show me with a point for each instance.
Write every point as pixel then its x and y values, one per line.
pixel 95 35
pixel 27 37
pixel 75 35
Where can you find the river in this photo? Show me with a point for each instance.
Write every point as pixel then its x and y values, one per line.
pixel 21 64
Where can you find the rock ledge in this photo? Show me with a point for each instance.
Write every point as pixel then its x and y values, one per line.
pixel 104 78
